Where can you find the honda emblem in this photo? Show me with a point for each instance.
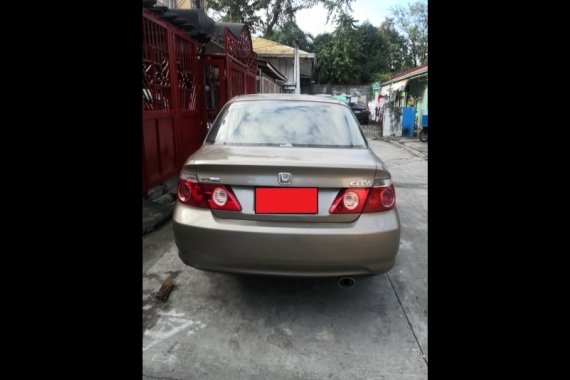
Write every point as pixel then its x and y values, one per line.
pixel 285 178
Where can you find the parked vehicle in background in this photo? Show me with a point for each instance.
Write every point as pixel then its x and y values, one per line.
pixel 286 185
pixel 361 112
pixel 424 132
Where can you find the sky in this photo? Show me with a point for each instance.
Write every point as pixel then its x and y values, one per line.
pixel 375 11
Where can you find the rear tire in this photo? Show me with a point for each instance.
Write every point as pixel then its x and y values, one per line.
pixel 423 136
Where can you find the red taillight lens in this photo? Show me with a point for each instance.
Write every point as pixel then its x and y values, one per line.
pixel 381 198
pixel 388 198
pixel 364 200
pixel 191 193
pixel 218 197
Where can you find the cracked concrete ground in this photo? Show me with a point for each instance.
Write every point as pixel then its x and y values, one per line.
pixel 218 326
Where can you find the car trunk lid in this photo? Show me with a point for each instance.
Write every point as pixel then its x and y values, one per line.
pixel 246 168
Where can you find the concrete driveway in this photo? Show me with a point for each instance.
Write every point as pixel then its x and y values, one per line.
pixel 220 326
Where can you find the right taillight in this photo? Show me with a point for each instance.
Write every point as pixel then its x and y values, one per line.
pixel 364 200
pixel 381 198
pixel 217 197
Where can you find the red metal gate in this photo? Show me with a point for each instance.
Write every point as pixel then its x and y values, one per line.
pixel 176 101
pixel 230 73
pixel 215 89
pixel 241 63
pixel 173 121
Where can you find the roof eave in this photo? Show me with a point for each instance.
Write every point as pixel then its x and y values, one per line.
pixel 407 76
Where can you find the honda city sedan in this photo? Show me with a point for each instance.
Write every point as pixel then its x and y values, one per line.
pixel 286 185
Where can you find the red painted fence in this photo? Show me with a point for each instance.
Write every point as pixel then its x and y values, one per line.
pixel 181 92
pixel 173 126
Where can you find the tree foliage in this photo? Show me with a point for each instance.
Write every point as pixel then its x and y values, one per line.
pixel 239 11
pixel 412 20
pixel 395 54
pixel 351 54
pixel 290 32
pixel 373 46
pixel 266 15
pixel 365 53
pixel 340 53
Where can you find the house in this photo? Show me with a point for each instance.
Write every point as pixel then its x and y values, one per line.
pixel 282 57
pixel 269 79
pixel 404 98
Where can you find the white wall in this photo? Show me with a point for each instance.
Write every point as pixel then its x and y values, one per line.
pixel 392 121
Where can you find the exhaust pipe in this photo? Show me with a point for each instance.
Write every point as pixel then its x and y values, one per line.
pixel 346 282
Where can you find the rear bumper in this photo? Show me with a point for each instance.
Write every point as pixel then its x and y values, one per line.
pixel 366 246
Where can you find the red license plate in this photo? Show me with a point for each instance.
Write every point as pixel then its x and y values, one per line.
pixel 279 200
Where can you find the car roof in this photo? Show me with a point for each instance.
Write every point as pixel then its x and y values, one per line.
pixel 285 97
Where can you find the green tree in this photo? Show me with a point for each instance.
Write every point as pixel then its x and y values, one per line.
pixel 324 60
pixel 339 54
pixel 265 15
pixel 288 33
pixel 412 20
pixel 394 49
pixel 241 11
pixel 373 47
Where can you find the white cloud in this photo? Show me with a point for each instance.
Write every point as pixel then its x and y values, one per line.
pixel 313 20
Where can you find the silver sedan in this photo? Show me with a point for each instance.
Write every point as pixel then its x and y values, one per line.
pixel 286 185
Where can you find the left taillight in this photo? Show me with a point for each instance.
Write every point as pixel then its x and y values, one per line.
pixel 217 197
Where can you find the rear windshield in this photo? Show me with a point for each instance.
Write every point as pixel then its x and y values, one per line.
pixel 358 106
pixel 287 123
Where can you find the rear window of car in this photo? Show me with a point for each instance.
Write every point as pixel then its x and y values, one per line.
pixel 287 123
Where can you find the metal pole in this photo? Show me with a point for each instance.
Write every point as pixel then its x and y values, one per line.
pixel 297 70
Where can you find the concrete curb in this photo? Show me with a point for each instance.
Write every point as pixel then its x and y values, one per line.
pixel 155 214
pixel 406 148
pixel 159 207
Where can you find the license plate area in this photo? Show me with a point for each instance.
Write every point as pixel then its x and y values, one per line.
pixel 286 200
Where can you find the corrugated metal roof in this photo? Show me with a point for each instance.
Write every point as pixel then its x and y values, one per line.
pixel 267 48
pixel 395 86
pixel 407 74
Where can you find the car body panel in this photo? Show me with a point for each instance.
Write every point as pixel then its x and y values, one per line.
pixel 363 247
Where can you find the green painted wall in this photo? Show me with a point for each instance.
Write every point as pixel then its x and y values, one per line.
pixel 425 99
pixel 418 89
pixel 374 88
